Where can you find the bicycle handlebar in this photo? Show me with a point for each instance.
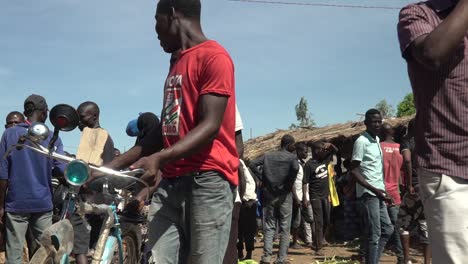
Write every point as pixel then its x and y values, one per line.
pixel 130 174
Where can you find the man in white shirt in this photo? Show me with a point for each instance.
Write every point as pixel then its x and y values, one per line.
pixel 300 214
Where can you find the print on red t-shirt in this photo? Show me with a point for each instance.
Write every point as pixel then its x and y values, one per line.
pixel 171 111
pixel 393 162
pixel 204 69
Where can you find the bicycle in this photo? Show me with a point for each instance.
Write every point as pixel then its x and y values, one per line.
pixel 56 243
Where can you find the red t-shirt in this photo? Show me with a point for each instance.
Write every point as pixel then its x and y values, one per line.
pixel 393 161
pixel 204 69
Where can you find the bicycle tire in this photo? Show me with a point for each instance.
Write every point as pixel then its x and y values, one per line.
pixel 132 235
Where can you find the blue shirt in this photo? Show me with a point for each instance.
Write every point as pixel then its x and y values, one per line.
pixel 29 174
pixel 367 151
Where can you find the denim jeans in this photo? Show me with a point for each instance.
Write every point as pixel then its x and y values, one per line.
pixel 16 227
pixel 395 238
pixel 277 209
pixel 190 218
pixel 377 227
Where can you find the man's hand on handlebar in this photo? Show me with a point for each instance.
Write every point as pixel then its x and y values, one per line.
pixel 151 165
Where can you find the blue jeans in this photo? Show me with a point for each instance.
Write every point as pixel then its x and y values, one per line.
pixel 395 238
pixel 377 227
pixel 190 218
pixel 277 210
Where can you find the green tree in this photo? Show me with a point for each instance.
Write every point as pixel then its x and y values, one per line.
pixel 386 109
pixel 406 106
pixel 303 115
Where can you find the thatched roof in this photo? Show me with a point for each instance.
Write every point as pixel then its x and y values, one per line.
pixel 342 135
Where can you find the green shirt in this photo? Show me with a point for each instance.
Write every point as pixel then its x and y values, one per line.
pixel 367 151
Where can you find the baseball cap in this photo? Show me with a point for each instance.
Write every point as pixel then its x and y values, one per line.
pixel 132 128
pixel 37 101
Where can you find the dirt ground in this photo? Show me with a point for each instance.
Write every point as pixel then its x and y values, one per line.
pixel 339 251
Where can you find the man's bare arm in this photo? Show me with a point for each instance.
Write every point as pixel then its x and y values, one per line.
pixel 211 113
pixel 126 159
pixel 212 108
pixel 305 202
pixel 408 168
pixel 355 172
pixel 435 48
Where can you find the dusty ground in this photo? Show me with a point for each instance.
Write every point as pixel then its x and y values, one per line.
pixel 339 251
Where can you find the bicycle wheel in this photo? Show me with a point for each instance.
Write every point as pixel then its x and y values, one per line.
pixel 131 243
pixel 42 256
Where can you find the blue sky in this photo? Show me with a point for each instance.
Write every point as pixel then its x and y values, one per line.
pixel 342 60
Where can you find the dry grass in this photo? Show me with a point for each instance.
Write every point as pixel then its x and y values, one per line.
pixel 339 134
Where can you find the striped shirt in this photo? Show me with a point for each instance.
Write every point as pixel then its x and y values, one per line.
pixel 441 96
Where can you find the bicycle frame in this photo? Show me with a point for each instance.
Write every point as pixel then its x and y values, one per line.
pixel 59 237
pixel 104 250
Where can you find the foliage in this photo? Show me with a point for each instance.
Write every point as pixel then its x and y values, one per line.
pixel 406 106
pixel 248 261
pixel 386 109
pixel 303 115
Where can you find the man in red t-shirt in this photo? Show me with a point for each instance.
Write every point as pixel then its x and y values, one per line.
pixel 190 214
pixel 393 163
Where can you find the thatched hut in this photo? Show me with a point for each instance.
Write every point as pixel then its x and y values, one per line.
pixel 342 135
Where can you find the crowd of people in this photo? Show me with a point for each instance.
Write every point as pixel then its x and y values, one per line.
pixel 206 199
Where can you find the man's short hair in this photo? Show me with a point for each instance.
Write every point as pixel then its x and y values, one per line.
pixel 13 113
pixel 317 144
pixel 86 104
pixel 287 140
pixel 301 146
pixel 372 112
pixel 189 8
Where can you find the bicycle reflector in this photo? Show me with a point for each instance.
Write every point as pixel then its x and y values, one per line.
pixel 77 173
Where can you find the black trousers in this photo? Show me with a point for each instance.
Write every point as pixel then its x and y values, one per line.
pixel 230 257
pixel 247 226
pixel 321 209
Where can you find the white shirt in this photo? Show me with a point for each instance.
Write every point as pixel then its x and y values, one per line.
pixel 250 185
pixel 239 126
pixel 298 183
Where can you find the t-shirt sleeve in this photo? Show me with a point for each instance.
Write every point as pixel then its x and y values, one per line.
pixel 404 146
pixel 218 76
pixel 3 162
pixel 358 150
pixel 412 23
pixel 294 166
